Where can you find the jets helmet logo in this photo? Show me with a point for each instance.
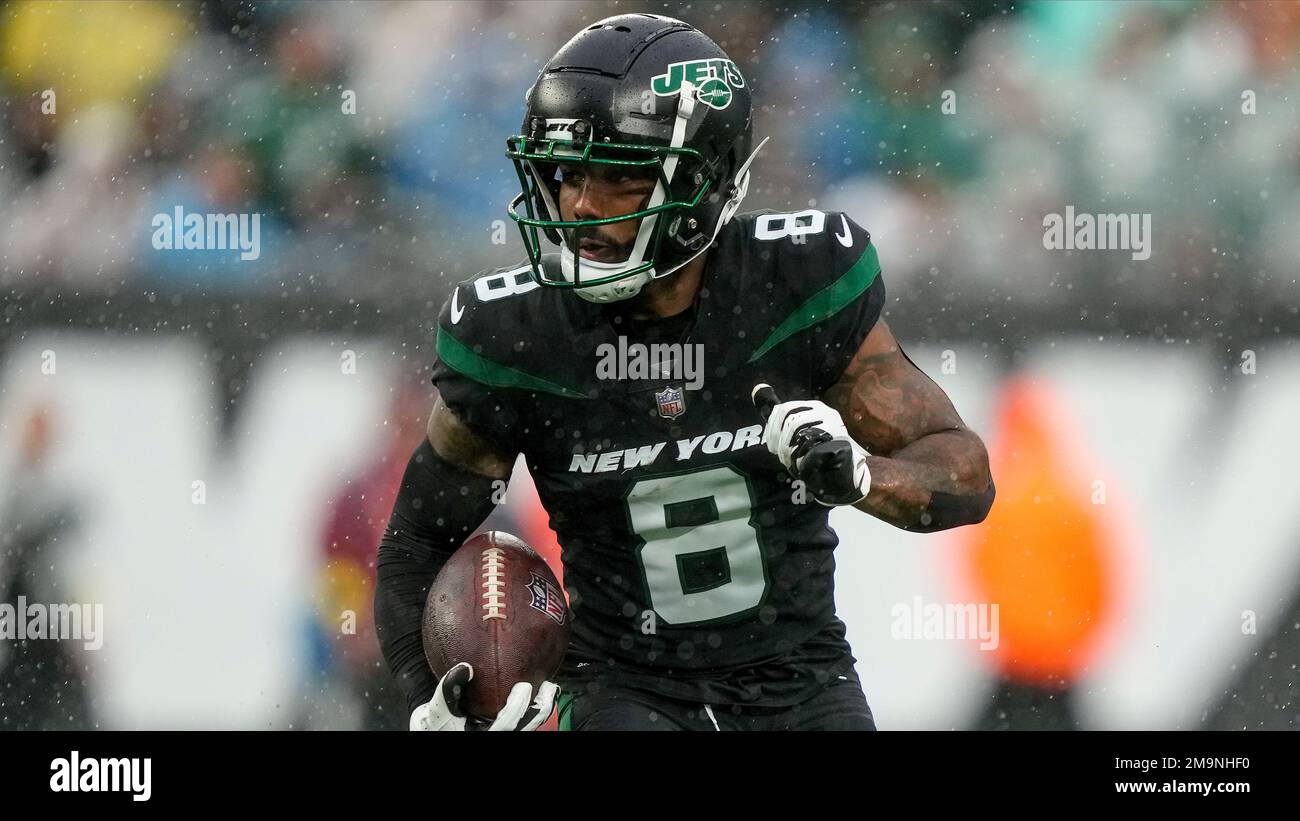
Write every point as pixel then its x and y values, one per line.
pixel 714 79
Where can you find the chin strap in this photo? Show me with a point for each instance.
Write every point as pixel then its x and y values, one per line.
pixel 741 185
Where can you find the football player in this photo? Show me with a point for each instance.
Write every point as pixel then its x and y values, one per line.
pixel 697 553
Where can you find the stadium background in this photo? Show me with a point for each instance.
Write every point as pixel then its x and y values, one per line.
pixel 208 445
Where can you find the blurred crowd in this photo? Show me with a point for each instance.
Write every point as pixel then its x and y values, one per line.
pixel 370 137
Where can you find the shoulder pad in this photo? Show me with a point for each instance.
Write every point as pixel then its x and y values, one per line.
pixel 811 250
pixel 489 330
pixel 485 299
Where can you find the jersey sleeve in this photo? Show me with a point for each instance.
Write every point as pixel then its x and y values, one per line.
pixel 831 292
pixel 463 374
pixel 848 303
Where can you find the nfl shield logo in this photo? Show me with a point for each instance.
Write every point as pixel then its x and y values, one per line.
pixel 546 598
pixel 671 403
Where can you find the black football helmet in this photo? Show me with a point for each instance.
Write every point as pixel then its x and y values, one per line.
pixel 646 92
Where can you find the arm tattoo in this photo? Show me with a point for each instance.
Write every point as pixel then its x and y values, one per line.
pixel 454 441
pixel 928 470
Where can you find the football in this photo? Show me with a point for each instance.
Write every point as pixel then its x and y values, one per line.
pixel 496 605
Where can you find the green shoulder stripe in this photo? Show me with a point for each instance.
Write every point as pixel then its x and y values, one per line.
pixel 467 363
pixel 827 302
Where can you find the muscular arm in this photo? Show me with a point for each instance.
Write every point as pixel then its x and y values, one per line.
pixel 928 470
pixel 445 494
pixel 460 446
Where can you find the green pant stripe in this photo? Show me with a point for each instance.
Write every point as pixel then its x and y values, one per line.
pixel 565 709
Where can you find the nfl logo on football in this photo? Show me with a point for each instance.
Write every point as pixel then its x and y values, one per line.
pixel 671 402
pixel 546 598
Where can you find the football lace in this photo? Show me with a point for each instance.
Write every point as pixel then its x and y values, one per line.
pixel 493 582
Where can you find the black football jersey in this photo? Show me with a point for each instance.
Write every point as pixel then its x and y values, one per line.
pixel 695 566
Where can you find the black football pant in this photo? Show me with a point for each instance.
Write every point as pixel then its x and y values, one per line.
pixel 840 705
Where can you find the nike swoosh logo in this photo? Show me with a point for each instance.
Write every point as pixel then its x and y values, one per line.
pixel 846 239
pixel 456 310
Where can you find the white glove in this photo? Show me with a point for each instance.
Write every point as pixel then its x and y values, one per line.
pixel 788 418
pixel 443 712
